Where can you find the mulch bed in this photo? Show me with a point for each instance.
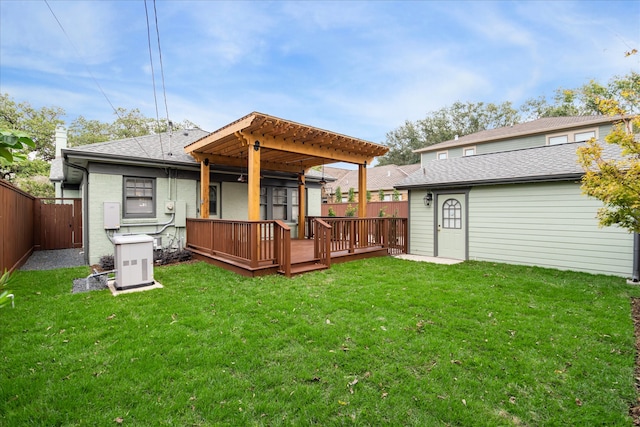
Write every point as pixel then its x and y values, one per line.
pixel 635 313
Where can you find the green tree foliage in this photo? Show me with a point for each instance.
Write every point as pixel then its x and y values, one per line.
pixel 39 124
pixel 368 196
pixel 352 195
pixel 584 100
pixel 128 124
pixel 381 195
pixel 396 195
pixel 12 146
pixel 443 125
pixel 338 195
pixel 616 182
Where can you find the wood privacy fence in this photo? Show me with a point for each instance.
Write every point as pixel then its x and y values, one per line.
pixel 16 226
pixel 28 223
pixel 393 209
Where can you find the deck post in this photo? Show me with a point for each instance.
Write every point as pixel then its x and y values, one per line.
pixel 302 220
pixel 253 198
pixel 204 188
pixel 362 190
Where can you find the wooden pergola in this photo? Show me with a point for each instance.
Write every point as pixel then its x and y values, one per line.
pixel 260 142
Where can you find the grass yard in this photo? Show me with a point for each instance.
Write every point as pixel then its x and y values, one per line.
pixel 372 342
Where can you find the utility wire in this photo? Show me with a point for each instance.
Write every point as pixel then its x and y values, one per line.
pixel 77 52
pixel 153 76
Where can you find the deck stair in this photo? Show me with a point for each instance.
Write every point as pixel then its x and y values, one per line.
pixel 305 267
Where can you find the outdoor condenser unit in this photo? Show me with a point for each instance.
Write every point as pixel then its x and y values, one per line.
pixel 133 261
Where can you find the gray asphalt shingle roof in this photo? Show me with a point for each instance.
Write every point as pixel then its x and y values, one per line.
pixel 543 125
pixel 554 162
pixel 144 149
pixel 159 147
pixel 378 177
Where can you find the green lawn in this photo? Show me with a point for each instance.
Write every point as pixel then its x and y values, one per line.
pixel 379 341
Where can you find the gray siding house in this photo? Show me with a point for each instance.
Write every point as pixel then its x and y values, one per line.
pixel 513 195
pixel 151 186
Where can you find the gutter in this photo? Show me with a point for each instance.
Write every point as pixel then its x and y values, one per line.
pixel 520 180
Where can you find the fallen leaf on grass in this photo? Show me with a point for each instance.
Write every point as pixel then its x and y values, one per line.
pixel 354 382
pixel 578 402
pixel 342 402
pixel 512 400
pixel 110 318
pixel 119 420
pixel 384 395
pixel 464 402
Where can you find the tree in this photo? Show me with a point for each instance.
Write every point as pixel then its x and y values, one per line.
pixel 39 124
pixel 352 195
pixel 396 195
pixel 338 195
pixel 368 196
pixel 615 182
pixel 443 125
pixel 584 100
pixel 12 142
pixel 381 195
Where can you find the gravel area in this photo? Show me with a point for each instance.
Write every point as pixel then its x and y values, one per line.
pixel 51 260
pixel 91 284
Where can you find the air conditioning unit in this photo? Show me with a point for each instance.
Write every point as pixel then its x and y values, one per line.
pixel 133 261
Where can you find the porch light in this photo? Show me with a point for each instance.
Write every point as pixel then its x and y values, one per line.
pixel 322 181
pixel 428 198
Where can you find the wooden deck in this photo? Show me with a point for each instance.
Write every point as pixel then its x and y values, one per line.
pixel 302 259
pixel 228 244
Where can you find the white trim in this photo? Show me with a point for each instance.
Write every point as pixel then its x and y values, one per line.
pixel 464 151
pixel 571 135
pixel 446 155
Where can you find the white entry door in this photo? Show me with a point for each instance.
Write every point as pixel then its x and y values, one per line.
pixel 451 226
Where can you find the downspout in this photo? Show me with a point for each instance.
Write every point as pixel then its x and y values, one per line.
pixel 635 278
pixel 85 207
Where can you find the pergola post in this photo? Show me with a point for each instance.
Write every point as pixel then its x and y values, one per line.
pixel 204 188
pixel 253 173
pixel 302 219
pixel 362 190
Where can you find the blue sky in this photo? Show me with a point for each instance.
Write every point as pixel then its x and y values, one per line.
pixel 359 68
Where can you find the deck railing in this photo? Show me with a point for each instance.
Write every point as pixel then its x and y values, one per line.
pixel 283 247
pixel 246 242
pixel 322 242
pixel 267 244
pixel 350 234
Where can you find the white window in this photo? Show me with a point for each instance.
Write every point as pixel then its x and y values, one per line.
pixel 443 155
pixel 139 197
pixel 578 136
pixel 584 136
pixel 451 214
pixel 469 151
pixel 561 139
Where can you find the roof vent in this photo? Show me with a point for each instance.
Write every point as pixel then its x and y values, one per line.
pixel 456 138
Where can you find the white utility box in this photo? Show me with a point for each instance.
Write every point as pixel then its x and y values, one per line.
pixel 133 261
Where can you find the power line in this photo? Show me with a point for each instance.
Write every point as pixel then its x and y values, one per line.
pixel 77 52
pixel 153 76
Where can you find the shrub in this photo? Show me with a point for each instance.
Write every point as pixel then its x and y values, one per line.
pixel 351 211
pixel 332 212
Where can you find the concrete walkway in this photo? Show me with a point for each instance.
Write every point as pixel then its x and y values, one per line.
pixel 432 259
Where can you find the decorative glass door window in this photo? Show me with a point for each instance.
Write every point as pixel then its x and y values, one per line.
pixel 451 214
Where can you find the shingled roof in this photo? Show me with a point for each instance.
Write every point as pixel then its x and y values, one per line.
pixel 378 178
pixel 158 147
pixel 547 163
pixel 543 125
